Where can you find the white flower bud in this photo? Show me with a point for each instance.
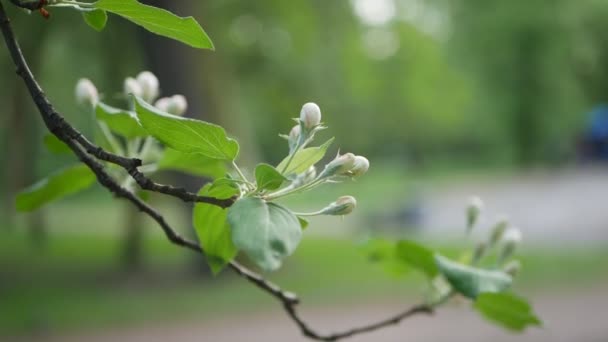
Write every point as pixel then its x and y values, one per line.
pixel 340 166
pixel 473 210
pixel 342 206
pixel 294 137
pixel 511 240
pixel 86 92
pixel 131 86
pixel 512 268
pixel 149 86
pixel 175 105
pixel 310 174
pixel 310 116
pixel 498 231
pixel 360 167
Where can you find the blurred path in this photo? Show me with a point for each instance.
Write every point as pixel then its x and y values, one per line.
pixel 554 208
pixel 578 316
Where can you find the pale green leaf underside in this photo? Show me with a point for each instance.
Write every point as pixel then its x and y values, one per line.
pixel 186 135
pixel 507 310
pixel 97 19
pixel 304 159
pixel 120 121
pixel 212 228
pixel 60 184
pixel 471 281
pixel 266 232
pixel 159 21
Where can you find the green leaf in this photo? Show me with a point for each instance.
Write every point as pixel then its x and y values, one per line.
pixel 268 178
pixel 120 121
pixel 186 135
pixel 195 164
pixel 159 21
pixel 418 257
pixel 97 19
pixel 54 145
pixel 507 310
pixel 60 184
pixel 304 159
pixel 212 228
pixel 471 281
pixel 303 222
pixel 266 232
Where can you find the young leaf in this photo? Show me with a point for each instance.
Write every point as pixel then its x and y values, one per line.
pixel 268 178
pixel 471 281
pixel 54 145
pixel 212 228
pixel 120 121
pixel 186 135
pixel 60 184
pixel 195 164
pixel 267 232
pixel 418 257
pixel 159 21
pixel 303 222
pixel 507 310
pixel 97 19
pixel 304 159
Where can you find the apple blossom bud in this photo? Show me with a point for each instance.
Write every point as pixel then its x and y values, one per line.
pixel 511 240
pixel 360 167
pixel 480 251
pixel 131 86
pixel 310 116
pixel 294 137
pixel 149 86
pixel 342 206
pixel 498 231
pixel 473 211
pixel 340 166
pixel 175 104
pixel 512 268
pixel 86 93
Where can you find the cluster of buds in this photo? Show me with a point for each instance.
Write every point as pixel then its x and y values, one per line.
pixel 176 104
pixel 145 85
pixel 346 165
pixel 86 93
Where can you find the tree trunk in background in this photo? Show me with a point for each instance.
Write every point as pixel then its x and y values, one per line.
pixel 132 250
pixel 23 140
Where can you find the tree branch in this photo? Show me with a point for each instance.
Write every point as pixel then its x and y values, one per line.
pixel 89 154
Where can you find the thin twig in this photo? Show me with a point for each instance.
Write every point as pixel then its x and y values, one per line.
pixel 87 152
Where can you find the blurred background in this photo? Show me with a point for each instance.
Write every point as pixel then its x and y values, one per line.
pixel 507 100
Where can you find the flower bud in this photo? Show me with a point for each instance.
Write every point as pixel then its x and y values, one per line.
pixel 294 137
pixel 473 211
pixel 310 116
pixel 480 251
pixel 149 86
pixel 360 167
pixel 340 166
pixel 86 93
pixel 342 206
pixel 511 240
pixel 131 86
pixel 175 105
pixel 498 231
pixel 512 268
